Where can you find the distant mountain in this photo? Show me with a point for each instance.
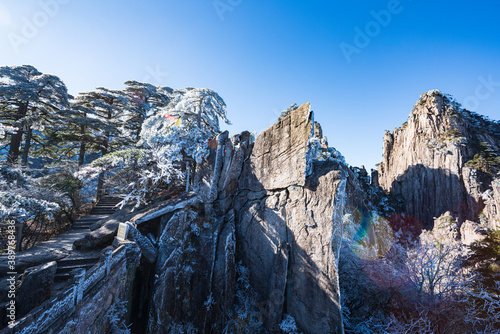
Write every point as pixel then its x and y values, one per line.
pixel 444 159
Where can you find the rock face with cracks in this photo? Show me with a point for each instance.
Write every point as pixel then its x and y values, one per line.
pixel 266 244
pixel 442 159
pixel 285 228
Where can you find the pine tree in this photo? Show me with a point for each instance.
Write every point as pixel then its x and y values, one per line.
pixel 76 135
pixel 144 100
pixel 202 105
pixel 171 138
pixel 107 104
pixel 30 101
pixel 485 259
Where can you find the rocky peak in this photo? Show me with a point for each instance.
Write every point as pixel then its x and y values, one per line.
pixel 267 239
pixel 443 158
pixel 283 147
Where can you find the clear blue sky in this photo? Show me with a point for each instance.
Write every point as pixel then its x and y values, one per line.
pixel 262 56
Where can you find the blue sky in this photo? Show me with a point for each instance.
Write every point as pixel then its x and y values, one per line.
pixel 262 56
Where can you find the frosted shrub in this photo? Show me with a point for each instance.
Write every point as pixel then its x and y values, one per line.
pixel 116 315
pixel 288 325
pixel 20 199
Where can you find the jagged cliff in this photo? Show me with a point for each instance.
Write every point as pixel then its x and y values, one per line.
pixel 444 158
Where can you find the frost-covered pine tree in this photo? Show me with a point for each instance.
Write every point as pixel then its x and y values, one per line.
pixel 107 105
pixel 182 129
pixel 29 101
pixel 18 198
pixel 170 139
pixel 77 135
pixel 202 106
pixel 143 100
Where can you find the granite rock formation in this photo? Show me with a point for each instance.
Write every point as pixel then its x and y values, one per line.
pixel 442 159
pixel 265 243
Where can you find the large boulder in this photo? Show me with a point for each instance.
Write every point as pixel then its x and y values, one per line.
pixel 264 247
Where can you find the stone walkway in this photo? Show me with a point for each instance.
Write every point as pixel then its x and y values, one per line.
pixel 60 248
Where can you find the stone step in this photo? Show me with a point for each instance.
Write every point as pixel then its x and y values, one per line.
pixel 90 217
pixel 93 217
pixel 88 220
pixel 85 222
pixel 65 266
pixel 111 206
pixel 102 211
pixel 110 200
pixel 69 267
pixel 80 259
pixel 80 226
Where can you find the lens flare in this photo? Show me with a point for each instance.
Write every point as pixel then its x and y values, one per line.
pixel 374 236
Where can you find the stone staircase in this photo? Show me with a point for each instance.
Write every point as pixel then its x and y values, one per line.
pixel 105 207
pixel 86 259
pixel 83 260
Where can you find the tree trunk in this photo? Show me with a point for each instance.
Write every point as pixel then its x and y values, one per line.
pixel 188 173
pixel 100 179
pixel 27 145
pixel 100 186
pixel 15 138
pixel 198 121
pixel 104 151
pixel 15 143
pixel 19 236
pixel 81 155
